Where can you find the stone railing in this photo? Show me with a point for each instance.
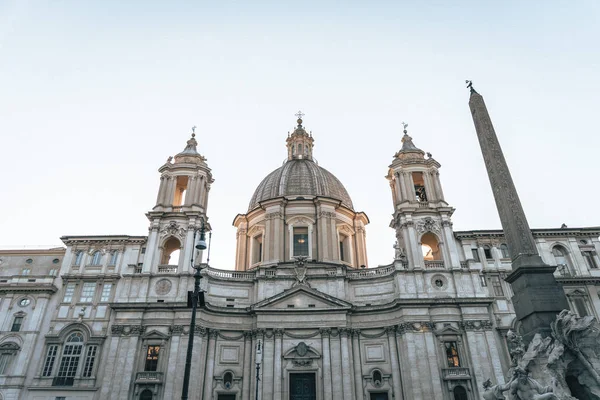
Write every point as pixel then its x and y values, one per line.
pixel 456 373
pixel 435 264
pixel 177 209
pixel 371 272
pixel 237 275
pixel 167 269
pixel 423 204
pixel 149 376
pixel 464 264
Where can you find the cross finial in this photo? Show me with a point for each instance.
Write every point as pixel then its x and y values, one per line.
pixel 194 131
pixel 299 114
pixel 404 125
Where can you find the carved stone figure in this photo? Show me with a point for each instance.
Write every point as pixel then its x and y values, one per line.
pixel 494 392
pixel 522 387
pixel 399 253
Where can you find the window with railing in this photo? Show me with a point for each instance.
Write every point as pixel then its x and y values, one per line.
pixel 151 363
pixel 63 361
pixel 452 356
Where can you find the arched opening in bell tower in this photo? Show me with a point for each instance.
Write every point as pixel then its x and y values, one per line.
pixel 171 251
pixel 419 182
pixel 180 191
pixel 430 247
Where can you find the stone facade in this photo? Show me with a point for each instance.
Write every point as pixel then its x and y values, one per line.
pixel 107 317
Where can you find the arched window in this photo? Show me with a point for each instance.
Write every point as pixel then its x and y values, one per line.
pixel 430 247
pixel 228 380
pixel 113 257
pixel 78 257
pixel 377 378
pixel 504 250
pixel 460 393
pixel 562 260
pixel 96 258
pixel 8 352
pixel 171 252
pixel 73 352
pixel 146 395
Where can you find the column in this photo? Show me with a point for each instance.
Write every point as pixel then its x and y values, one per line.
pixel 161 189
pixel 268 366
pixel 358 381
pixel 429 188
pixel 410 187
pixel 191 189
pixel 396 383
pixel 247 377
pixel 438 185
pixel 188 248
pixel 170 192
pixel 327 394
pixel 346 378
pixel 213 334
pixel 277 378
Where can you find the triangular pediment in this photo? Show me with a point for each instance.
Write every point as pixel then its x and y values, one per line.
pixel 301 298
pixel 448 330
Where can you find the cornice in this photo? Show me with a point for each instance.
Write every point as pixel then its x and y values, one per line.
pixel 28 287
pixel 579 280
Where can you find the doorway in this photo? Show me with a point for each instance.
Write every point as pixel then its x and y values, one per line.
pixel 379 396
pixel 226 397
pixel 302 386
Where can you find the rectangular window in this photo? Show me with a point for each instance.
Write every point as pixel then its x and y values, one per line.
pixel 260 252
pixel 152 358
pixel 497 285
pixel 475 253
pixel 589 259
pixel 87 292
pixel 300 242
pixel 452 354
pixel 26 271
pixel 68 365
pixel 50 359
pixel 143 250
pixel 16 326
pixel 482 279
pixel 342 251
pixel 5 359
pixel 53 272
pixel 488 253
pixel 69 291
pixel 106 289
pixel 580 308
pixel 90 357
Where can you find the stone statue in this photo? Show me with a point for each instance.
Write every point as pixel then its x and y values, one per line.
pixel 494 392
pixel 516 347
pixel 398 252
pixel 522 387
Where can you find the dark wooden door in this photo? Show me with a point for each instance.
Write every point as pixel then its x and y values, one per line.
pixel 302 387
pixel 379 396
pixel 226 397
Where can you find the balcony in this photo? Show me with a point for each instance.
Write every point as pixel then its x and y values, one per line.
pixel 149 377
pixel 456 373
pixel 167 269
pixel 436 264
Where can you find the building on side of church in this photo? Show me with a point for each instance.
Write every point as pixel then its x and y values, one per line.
pixel 107 317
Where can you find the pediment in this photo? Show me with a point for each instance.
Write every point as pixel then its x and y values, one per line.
pixel 301 298
pixel 154 334
pixel 448 330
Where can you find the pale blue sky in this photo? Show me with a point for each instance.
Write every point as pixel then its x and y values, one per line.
pixel 96 95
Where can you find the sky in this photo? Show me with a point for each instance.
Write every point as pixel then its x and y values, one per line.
pixel 94 96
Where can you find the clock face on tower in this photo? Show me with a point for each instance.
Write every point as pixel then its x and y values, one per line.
pixel 24 302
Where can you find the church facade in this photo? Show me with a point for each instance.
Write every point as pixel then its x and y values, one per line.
pixel 106 317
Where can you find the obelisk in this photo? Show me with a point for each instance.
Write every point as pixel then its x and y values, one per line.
pixel 537 298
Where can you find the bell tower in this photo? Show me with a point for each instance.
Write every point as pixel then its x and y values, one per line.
pixel 180 209
pixel 421 215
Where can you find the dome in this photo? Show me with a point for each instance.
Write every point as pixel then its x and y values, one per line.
pixel 301 177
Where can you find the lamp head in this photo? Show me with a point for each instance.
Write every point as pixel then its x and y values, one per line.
pixel 201 243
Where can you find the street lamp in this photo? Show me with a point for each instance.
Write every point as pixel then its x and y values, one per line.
pixel 258 361
pixel 194 298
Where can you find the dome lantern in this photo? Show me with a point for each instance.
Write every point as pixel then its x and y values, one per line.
pixel 300 143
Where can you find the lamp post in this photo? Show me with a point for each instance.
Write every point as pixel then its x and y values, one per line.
pixel 196 297
pixel 258 361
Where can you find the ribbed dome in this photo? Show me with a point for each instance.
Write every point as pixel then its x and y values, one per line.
pixel 300 177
